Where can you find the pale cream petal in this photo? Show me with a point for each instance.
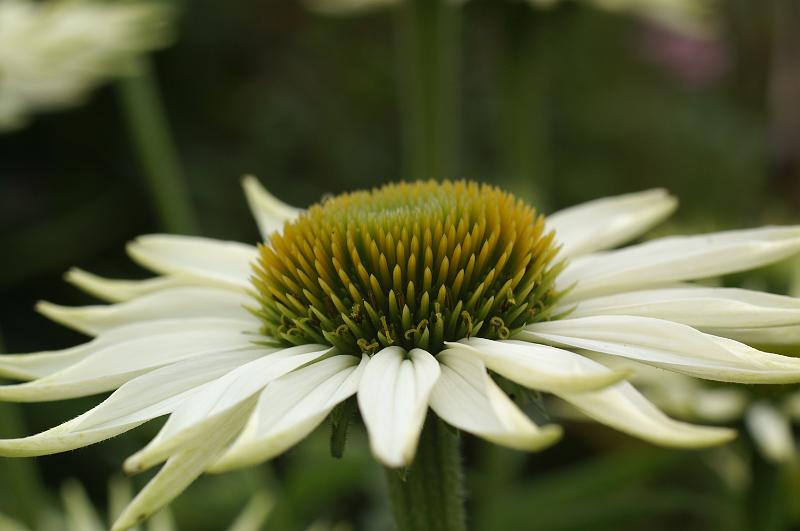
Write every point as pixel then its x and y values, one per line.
pixel 291 407
pixel 157 393
pixel 608 222
pixel 623 408
pixel 771 431
pixel 269 212
pixel 217 398
pixel 668 345
pixel 186 465
pixel 393 399
pixel 171 303
pixel 116 290
pixel 540 367
pixel 105 363
pixel 466 397
pixel 676 259
pixel 211 262
pixel 766 337
pixel 695 306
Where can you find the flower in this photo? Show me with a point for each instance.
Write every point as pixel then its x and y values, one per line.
pixel 53 53
pixel 80 515
pixel 408 296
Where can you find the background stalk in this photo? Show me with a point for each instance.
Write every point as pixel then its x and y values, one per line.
pixel 152 141
pixel 428 42
pixel 525 134
pixel 429 495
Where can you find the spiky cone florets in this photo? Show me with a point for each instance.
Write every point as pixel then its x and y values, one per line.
pixel 407 264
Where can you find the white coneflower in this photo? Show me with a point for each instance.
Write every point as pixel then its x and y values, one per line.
pixel 408 296
pixel 79 514
pixel 53 53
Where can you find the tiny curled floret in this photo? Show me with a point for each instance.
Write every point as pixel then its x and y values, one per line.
pixel 407 264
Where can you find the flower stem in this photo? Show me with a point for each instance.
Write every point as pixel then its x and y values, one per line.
pixel 150 135
pixel 428 47
pixel 429 495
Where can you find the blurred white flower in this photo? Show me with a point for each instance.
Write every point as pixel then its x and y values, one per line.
pixel 79 514
pixel 53 53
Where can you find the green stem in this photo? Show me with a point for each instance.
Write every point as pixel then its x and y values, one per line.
pixel 525 144
pixel 150 135
pixel 428 35
pixel 429 495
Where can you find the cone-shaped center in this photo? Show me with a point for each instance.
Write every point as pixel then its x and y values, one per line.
pixel 409 264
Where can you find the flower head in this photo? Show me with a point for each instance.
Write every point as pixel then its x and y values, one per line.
pixel 409 296
pixel 53 53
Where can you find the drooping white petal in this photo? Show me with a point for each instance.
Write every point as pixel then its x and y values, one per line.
pixel 124 353
pixel 608 222
pixel 773 336
pixel 217 398
pixel 144 398
pixel 192 459
pixel 393 398
pixel 623 408
pixel 212 262
pixel 291 407
pixel 466 397
pixel 677 258
pixel 171 303
pixel 680 395
pixel 699 307
pixel 269 211
pixel 540 367
pixel 117 290
pixel 771 432
pixel 669 345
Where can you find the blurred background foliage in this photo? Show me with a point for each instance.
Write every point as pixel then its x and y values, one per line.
pixel 561 105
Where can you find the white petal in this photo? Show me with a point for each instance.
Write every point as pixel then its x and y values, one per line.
pixel 217 398
pixel 677 258
pixel 623 408
pixel 466 397
pixel 611 221
pixel 144 398
pixel 269 211
pixel 291 407
pixel 171 303
pixel 116 290
pixel 699 307
pixel 40 364
pixel 669 345
pixel 773 336
pixel 185 466
pixel 114 358
pixel 393 399
pixel 212 262
pixel 540 367
pixel 771 432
